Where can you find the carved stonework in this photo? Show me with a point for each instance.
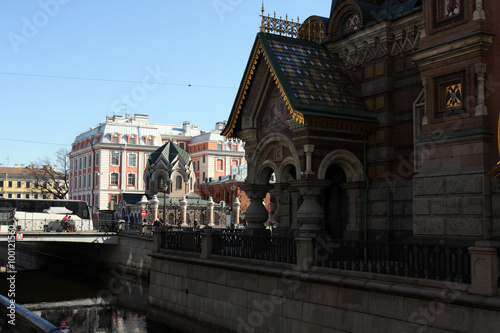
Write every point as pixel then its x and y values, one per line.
pixel 276 113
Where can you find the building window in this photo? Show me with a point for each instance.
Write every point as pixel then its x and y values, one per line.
pixel 132 141
pixel 115 158
pixel 149 142
pixel 96 159
pixel 204 177
pixel 204 147
pixel 115 139
pixel 96 177
pixel 131 179
pixel 84 181
pixel 1 183
pixel 235 147
pixel 18 184
pixel 182 145
pixel 161 183
pixel 9 195
pixel 219 165
pixel 198 166
pixel 35 196
pixel 18 195
pixel 10 184
pixel 85 162
pixel 132 160
pixel 203 159
pixel 114 179
pixel 178 183
pixel 219 146
pixel 27 196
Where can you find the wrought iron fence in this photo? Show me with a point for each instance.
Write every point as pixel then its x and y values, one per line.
pixel 189 241
pixel 427 261
pixel 261 247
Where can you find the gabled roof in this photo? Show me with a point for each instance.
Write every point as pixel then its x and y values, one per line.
pixel 313 82
pixel 170 151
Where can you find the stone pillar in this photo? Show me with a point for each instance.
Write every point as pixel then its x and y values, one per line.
pixel 479 12
pixel 236 211
pixel 183 203
pixel 210 210
pixel 311 216
pixel 206 243
pixel 484 268
pixel 154 207
pixel 308 149
pixel 481 109
pixel 157 241
pixel 305 249
pixel 256 214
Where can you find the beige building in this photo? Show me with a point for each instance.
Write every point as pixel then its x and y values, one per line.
pixel 19 182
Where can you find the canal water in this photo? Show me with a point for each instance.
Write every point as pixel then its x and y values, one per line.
pixel 85 301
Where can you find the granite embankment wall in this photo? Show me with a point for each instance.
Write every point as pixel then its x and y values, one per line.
pixel 221 295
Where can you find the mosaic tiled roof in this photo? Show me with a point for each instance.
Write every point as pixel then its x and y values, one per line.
pixel 313 82
pixel 315 77
pixel 170 150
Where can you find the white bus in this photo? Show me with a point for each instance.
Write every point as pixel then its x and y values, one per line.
pixel 46 215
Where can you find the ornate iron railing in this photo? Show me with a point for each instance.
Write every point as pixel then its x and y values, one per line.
pixel 279 26
pixel 427 261
pixel 189 241
pixel 261 247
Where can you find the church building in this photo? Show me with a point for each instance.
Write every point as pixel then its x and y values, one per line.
pixel 377 121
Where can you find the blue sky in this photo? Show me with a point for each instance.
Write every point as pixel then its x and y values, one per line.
pixel 67 64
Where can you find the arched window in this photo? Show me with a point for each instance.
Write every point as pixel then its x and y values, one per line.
pixel 178 183
pixel 161 182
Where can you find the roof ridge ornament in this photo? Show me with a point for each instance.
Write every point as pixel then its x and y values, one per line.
pixel 279 26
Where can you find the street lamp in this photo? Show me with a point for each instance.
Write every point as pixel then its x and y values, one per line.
pixel 144 204
pixel 165 188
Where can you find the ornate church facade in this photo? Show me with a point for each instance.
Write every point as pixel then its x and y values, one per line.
pixel 376 122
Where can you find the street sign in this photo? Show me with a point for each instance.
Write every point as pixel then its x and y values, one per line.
pixel 19 236
pixel 143 213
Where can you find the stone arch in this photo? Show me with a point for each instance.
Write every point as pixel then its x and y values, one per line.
pixel 344 10
pixel 265 171
pixel 351 165
pixel 259 160
pixel 285 169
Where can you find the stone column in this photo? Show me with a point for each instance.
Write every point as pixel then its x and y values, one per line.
pixel 308 149
pixel 355 192
pixel 183 203
pixel 484 268
pixel 210 210
pixel 311 216
pixel 236 211
pixel 281 215
pixel 154 207
pixel 481 109
pixel 256 214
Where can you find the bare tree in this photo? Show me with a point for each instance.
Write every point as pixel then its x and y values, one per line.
pixel 51 179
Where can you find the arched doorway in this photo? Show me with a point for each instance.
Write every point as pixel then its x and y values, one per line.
pixel 336 202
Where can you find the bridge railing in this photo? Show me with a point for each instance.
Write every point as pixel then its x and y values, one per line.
pixel 47 225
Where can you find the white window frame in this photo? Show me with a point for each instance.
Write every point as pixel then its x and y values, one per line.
pixel 117 179
pixel 135 159
pixel 128 179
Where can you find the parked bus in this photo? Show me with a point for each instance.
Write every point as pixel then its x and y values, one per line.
pixel 46 215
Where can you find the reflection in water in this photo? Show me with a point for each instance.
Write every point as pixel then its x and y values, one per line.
pixel 90 302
